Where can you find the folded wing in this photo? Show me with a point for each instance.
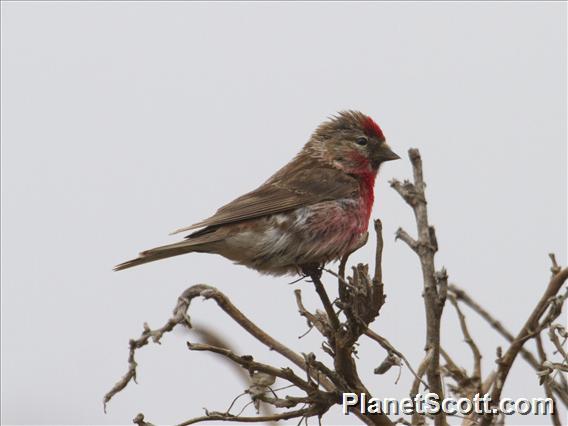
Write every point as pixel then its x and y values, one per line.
pixel 276 196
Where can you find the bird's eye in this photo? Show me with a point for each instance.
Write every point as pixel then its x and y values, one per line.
pixel 362 141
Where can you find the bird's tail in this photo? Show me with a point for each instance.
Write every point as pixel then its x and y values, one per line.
pixel 158 253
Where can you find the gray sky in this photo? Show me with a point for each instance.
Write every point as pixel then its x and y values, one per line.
pixel 124 121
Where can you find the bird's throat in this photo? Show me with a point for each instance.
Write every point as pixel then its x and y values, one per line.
pixel 367 187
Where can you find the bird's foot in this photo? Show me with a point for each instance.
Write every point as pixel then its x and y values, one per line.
pixel 313 270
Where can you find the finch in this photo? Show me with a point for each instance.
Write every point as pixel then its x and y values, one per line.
pixel 314 210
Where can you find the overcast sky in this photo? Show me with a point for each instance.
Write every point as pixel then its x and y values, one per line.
pixel 124 121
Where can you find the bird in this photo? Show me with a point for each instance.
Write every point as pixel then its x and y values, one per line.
pixel 312 211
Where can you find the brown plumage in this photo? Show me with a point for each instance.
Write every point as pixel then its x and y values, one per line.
pixel 311 211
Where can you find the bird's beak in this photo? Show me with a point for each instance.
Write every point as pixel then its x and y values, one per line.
pixel 386 154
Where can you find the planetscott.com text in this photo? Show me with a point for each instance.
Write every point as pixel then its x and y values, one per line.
pixel 431 403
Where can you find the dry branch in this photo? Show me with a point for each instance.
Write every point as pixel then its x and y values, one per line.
pixel 346 319
pixel 559 389
pixel 341 337
pixel 476 374
pixel 528 330
pixel 547 389
pixel 435 285
pixel 360 300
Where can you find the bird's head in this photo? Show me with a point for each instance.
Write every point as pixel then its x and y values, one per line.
pixel 352 142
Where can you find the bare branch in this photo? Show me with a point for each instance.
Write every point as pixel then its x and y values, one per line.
pixel 469 340
pixel 345 319
pixel 315 274
pixel 555 268
pixel 341 281
pixel 386 345
pixel 378 276
pixel 418 419
pixel 465 386
pixel 216 416
pixel 507 361
pixel 249 364
pixel 561 390
pixel 360 299
pixel 317 320
pixel 139 420
pixel 179 317
pixel 425 247
pixel 402 235
pixel 552 333
pixel 208 292
pixel 548 391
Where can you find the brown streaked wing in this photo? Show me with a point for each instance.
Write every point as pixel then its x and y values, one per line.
pixel 303 188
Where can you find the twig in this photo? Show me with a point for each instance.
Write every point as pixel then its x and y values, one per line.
pixel 386 345
pixel 555 268
pixel 378 276
pixel 215 416
pixel 208 292
pixel 420 373
pixel 465 386
pixel 547 390
pixel 342 283
pixel 488 382
pixel 317 320
pixel 404 236
pixel 315 275
pixel 556 341
pixel 469 340
pixel 560 390
pixel 425 247
pixel 237 398
pixel 212 337
pixel 507 361
pixel 249 364
pixel 422 368
pixel 179 317
pixel 360 299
